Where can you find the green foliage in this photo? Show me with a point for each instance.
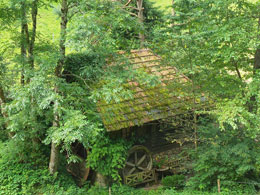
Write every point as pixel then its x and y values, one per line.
pixel 2 69
pixel 122 189
pixel 215 42
pixel 174 181
pixel 23 172
pixel 162 4
pixel 152 18
pixel 74 126
pixel 108 156
pixel 101 26
pixel 126 190
pixel 106 27
pixel 210 42
pixel 29 111
pixel 230 156
pixel 84 68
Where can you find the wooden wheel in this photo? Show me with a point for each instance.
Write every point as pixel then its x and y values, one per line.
pixel 79 169
pixel 139 159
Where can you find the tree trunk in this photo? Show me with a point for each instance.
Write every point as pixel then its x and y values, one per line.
pixel 54 158
pixel 24 39
pixel 141 20
pixel 23 47
pixel 2 102
pixel 32 42
pixel 27 42
pixel 2 111
pixel 173 12
pixel 63 25
pixel 257 60
pixel 2 95
pixel 252 105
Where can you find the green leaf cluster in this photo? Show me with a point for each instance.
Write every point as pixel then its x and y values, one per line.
pixel 174 181
pixel 108 156
pixel 230 156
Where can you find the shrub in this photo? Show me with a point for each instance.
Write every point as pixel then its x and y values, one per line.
pixel 24 172
pixel 108 156
pixel 230 156
pixel 176 181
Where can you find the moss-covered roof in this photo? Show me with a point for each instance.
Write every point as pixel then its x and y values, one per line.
pixel 148 103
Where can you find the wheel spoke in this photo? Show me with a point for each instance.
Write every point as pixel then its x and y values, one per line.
pixel 141 160
pixel 130 164
pixel 138 160
pixel 141 168
pixel 131 171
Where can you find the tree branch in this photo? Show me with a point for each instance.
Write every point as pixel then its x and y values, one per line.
pixel 129 1
pixel 238 72
pixel 84 81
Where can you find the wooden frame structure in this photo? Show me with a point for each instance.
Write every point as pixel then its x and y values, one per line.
pixel 149 103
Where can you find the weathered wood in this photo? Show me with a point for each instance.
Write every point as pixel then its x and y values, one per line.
pixel 79 170
pixel 138 166
pixel 140 178
pixel 100 180
pixel 218 181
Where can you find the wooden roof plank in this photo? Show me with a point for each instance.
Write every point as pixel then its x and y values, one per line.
pixel 148 103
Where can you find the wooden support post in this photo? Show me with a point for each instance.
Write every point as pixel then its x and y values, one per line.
pixel 154 135
pixel 109 191
pixel 218 181
pixel 100 180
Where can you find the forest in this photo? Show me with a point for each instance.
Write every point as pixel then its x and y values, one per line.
pixel 111 97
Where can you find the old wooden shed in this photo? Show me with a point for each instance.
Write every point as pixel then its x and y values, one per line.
pixel 146 110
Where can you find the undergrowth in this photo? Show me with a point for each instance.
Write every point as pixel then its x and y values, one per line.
pixel 230 156
pixel 27 173
pixel 232 159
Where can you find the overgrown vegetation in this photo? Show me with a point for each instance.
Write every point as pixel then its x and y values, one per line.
pixel 51 83
pixel 174 181
pixel 25 172
pixel 108 157
pixel 230 156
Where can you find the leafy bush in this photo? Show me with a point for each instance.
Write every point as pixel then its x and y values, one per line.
pixel 84 66
pixel 108 156
pixel 126 190
pixel 176 181
pixel 117 189
pixel 24 172
pixel 230 156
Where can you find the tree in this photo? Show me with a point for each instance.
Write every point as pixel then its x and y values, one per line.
pixel 28 39
pixel 53 165
pixel 214 44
